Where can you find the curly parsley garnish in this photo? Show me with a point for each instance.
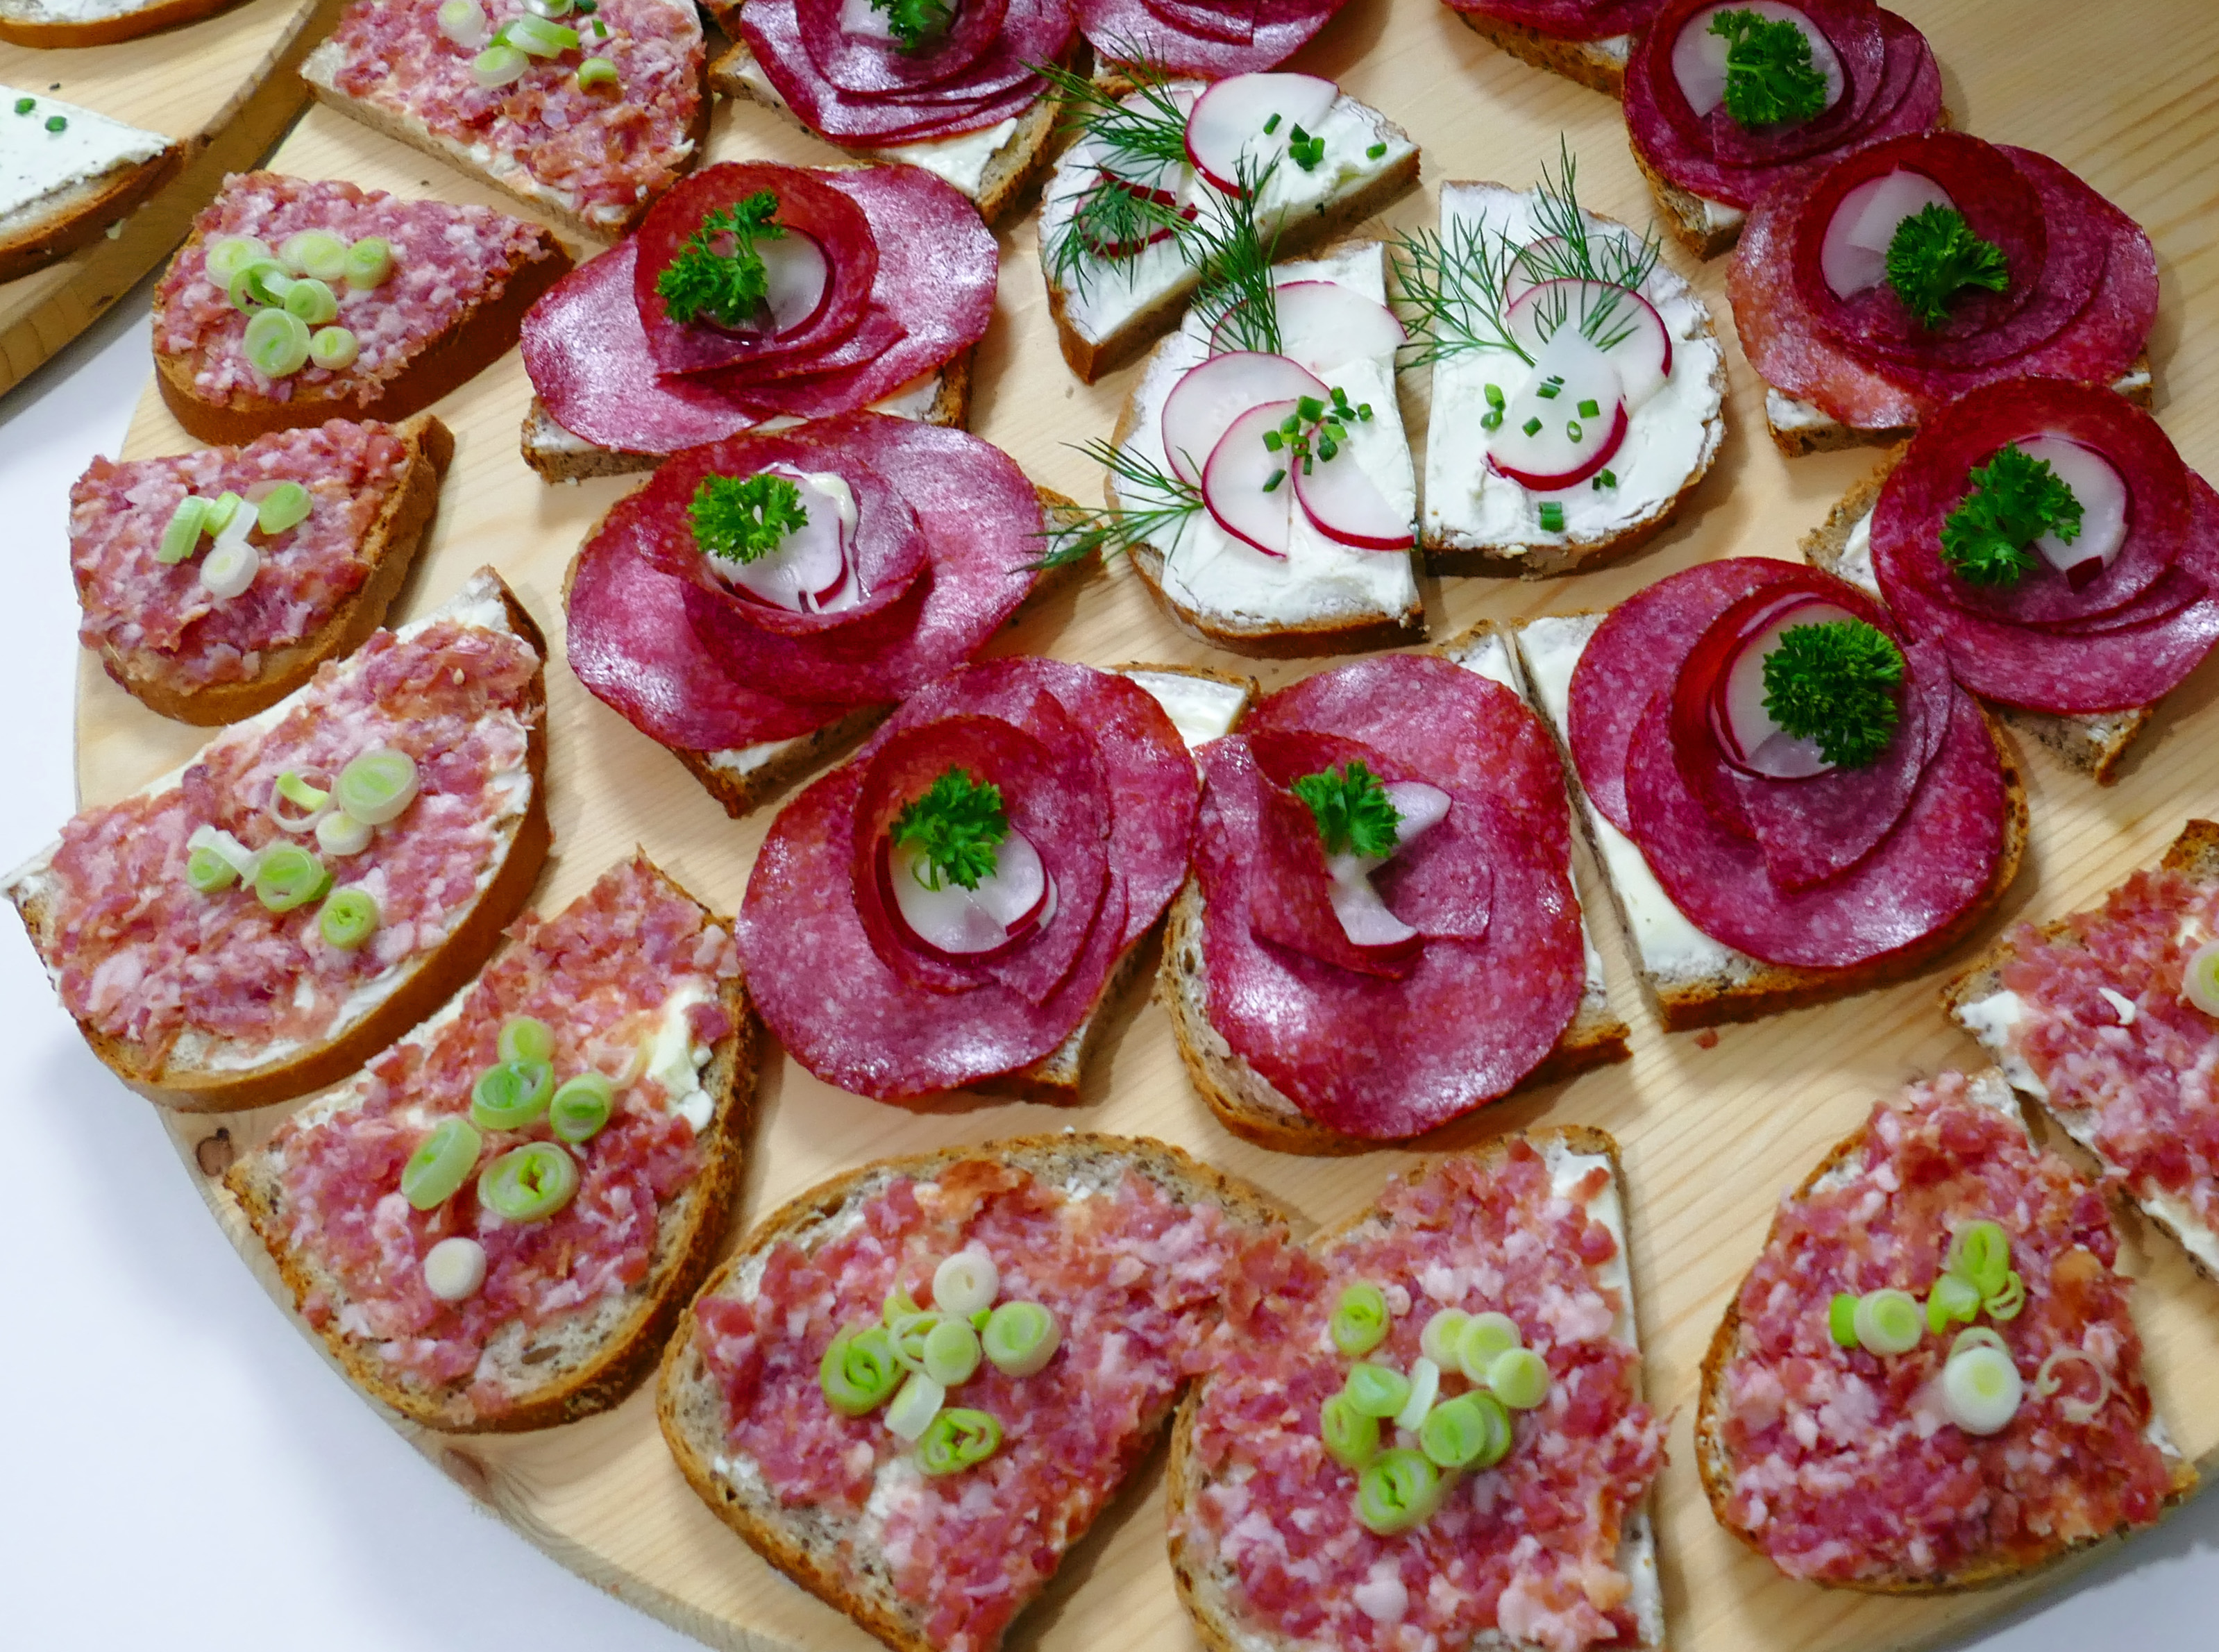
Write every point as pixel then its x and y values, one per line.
pixel 1935 256
pixel 2015 500
pixel 729 285
pixel 1835 684
pixel 744 518
pixel 916 24
pixel 1351 810
pixel 955 827
pixel 1770 79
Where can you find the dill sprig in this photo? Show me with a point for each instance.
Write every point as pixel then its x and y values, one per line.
pixel 1153 504
pixel 1451 284
pixel 1238 293
pixel 1149 133
pixel 1112 223
pixel 1580 253
pixel 1139 144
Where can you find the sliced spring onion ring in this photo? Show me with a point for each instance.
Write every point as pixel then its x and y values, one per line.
pixel 455 1269
pixel 1425 1389
pixel 1953 1298
pixel 221 509
pixel 915 1407
pixel 580 1107
pixel 316 253
pixel 1981 1253
pixel 1485 1337
pixel 951 1353
pixel 540 37
pixel 859 1372
pixel 1442 1334
pixel 979 1320
pixel 378 786
pixel 1520 1378
pixel 1359 1318
pixel 259 286
pixel 1351 1439
pixel 348 918
pixel 909 1333
pixel 289 876
pixel 333 349
pixel 229 567
pixel 340 835
pixel 1456 1433
pixel 241 860
pixel 898 1304
pixel 598 71
pixel 2006 1303
pixel 1888 1322
pixel 369 262
pixel 464 21
pixel 498 65
pixel 227 255
pixel 529 1184
pixel 181 535
pixel 956 1438
pixel 1397 1491
pixel 441 1164
pixel 207 871
pixel 548 8
pixel 524 1038
pixel 1979 1335
pixel 965 1283
pixel 286 505
pixel 509 1095
pixel 2199 979
pixel 311 299
pixel 1842 1319
pixel 2046 1382
pixel 1378 1390
pixel 1981 1389
pixel 276 343
pixel 296 803
pixel 1020 1338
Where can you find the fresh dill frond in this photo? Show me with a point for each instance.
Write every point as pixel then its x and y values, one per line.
pixel 729 285
pixel 1238 296
pixel 1113 223
pixel 2015 499
pixel 1835 684
pixel 1581 251
pixel 1351 809
pixel 744 518
pixel 956 828
pixel 1934 256
pixel 1450 285
pixel 1153 506
pixel 1770 79
pixel 1139 131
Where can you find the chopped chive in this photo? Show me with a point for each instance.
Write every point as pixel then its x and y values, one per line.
pixel 1327 447
pixel 1532 427
pixel 1271 125
pixel 1572 429
pixel 1549 392
pixel 1556 379
pixel 1273 440
pixel 57 123
pixel 1307 466
pixel 1363 410
pixel 600 29
pixel 1335 429
pixel 1309 409
pixel 1289 425
pixel 1274 479
pixel 1590 410
pixel 1605 480
pixel 1375 151
pixel 1552 517
pixel 1494 396
pixel 24 105
pixel 1492 420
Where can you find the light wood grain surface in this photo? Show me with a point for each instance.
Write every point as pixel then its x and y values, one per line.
pixel 2125 94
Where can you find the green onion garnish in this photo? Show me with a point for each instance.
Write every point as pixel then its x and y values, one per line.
pixel 1491 420
pixel 859 1372
pixel 1271 125
pixel 260 284
pixel 2006 1302
pixel 510 1095
pixel 1327 447
pixel 1532 427
pixel 1549 392
pixel 1351 1439
pixel 1494 396
pixel 524 1038
pixel 1442 1334
pixel 1375 151
pixel 1485 1338
pixel 1573 429
pixel 951 1353
pixel 955 1439
pixel 1982 1255
pixel 1520 1378
pixel 276 343
pixel 1020 1338
pixel 1310 410
pixel 597 71
pixel 1363 410
pixel 1359 1319
pixel 1273 481
pixel 1888 1322
pixel 221 509
pixel 1378 1390
pixel 348 919
pixel 1470 1431
pixel 1590 409
pixel 181 536
pixel 311 300
pixel 1842 1319
pixel 378 786
pixel 1605 479
pixel 57 123
pixel 289 876
pixel 1273 441
pixel 580 1107
pixel 315 252
pixel 1397 1491
pixel 916 1406
pixel 227 255
pixel 333 349
pixel 441 1164
pixel 529 1184
pixel 1553 516
pixel 539 37
pixel 369 262
pixel 286 505
pixel 207 871
pixel 24 105
pixel 1953 1298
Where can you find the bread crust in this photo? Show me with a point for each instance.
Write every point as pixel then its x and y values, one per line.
pixel 1683 212
pixel 107 31
pixel 1576 61
pixel 86 210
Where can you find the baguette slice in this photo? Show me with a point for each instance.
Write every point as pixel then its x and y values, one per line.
pixel 1689 978
pixel 388 549
pixel 117 167
pixel 1600 64
pixel 1798 428
pixel 1205 1581
pixel 839 1560
pixel 55 24
pixel 204 1073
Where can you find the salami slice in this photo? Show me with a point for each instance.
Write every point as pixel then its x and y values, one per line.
pixel 863 67
pixel 1127 31
pixel 1569 20
pixel 1230 24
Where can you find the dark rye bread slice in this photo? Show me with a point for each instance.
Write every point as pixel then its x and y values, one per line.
pixel 388 548
pixel 821 1551
pixel 587 1361
pixel 1714 1464
pixel 2092 742
pixel 1204 1589
pixel 1597 64
pixel 1798 428
pixel 28 22
pixel 56 225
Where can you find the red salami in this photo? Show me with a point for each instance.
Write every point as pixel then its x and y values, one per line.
pixel 1207 40
pixel 1569 20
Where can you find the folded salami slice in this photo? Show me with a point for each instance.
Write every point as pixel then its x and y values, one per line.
pixel 1569 20
pixel 1197 39
pixel 868 66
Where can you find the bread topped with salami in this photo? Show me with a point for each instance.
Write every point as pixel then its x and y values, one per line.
pixel 1872 292
pixel 1381 931
pixel 496 1225
pixel 294 302
pixel 1723 102
pixel 1426 1427
pixel 755 293
pixel 2047 535
pixel 1135 217
pixel 68 174
pixel 1589 41
pixel 1206 39
pixel 256 924
pixel 1791 796
pixel 1931 1380
pixel 907 1364
pixel 586 114
pixel 214 583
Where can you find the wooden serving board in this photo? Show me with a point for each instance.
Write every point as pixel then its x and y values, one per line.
pixel 1712 1129
pixel 225 86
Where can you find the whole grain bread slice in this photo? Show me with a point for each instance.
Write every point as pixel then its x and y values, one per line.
pixel 1798 428
pixel 824 1551
pixel 1600 64
pixel 57 224
pixel 32 22
pixel 560 1371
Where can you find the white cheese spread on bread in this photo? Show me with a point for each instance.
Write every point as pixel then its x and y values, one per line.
pixel 961 161
pixel 36 160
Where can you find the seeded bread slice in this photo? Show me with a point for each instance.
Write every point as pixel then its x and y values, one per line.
pixel 57 224
pixel 1798 428
pixel 835 1558
pixel 1597 64
pixel 1707 228
pixel 33 23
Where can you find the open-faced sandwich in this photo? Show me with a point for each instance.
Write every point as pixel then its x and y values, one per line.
pixel 1587 41
pixel 1207 40
pixel 2048 535
pixel 68 174
pixel 764 600
pixel 916 1387
pixel 294 302
pixel 957 906
pixel 1381 932
pixel 955 89
pixel 1578 388
pixel 754 293
pixel 1931 1380
pixel 1426 1428
pixel 256 924
pixel 1723 101
pixel 68 23
pixel 586 112
pixel 1871 293
pixel 1132 219
pixel 496 1225
pixel 2111 1020
pixel 214 583
pixel 1791 798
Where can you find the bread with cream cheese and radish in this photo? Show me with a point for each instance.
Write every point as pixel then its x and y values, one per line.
pixel 1578 388
pixel 1125 223
pixel 67 174
pixel 52 24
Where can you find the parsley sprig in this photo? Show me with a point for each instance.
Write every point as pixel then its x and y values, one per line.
pixel 956 828
pixel 1934 256
pixel 729 285
pixel 2015 500
pixel 1351 809
pixel 744 518
pixel 1770 79
pixel 916 24
pixel 1835 684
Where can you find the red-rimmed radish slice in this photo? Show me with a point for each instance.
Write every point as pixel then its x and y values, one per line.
pixel 1162 233
pixel 1545 441
pixel 1421 807
pixel 2102 495
pixel 1640 345
pixel 1854 254
pixel 798 275
pixel 1745 731
pixel 807 573
pixel 1209 396
pixel 1699 57
pixel 971 925
pixel 1228 123
pixel 1365 918
pixel 1347 506
pixel 1235 481
pixel 1324 324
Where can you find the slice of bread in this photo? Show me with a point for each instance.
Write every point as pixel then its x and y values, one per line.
pixel 1691 979
pixel 1206 1583
pixel 1707 228
pixel 1798 428
pixel 1598 63
pixel 119 167
pixel 836 1559
pixel 388 548
pixel 573 1366
pixel 211 1074
pixel 103 22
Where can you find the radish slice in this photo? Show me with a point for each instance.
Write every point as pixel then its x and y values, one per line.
pixel 1016 898
pixel 2102 495
pixel 1233 480
pixel 1365 918
pixel 1346 505
pixel 1324 324
pixel 1209 397
pixel 1422 807
pixel 807 573
pixel 1854 255
pixel 1699 57
pixel 1162 233
pixel 1535 444
pixel 1642 346
pixel 866 20
pixel 1537 262
pixel 1227 124
pixel 1754 740
pixel 795 268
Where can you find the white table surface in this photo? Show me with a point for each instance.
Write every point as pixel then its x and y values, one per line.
pixel 180 1471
